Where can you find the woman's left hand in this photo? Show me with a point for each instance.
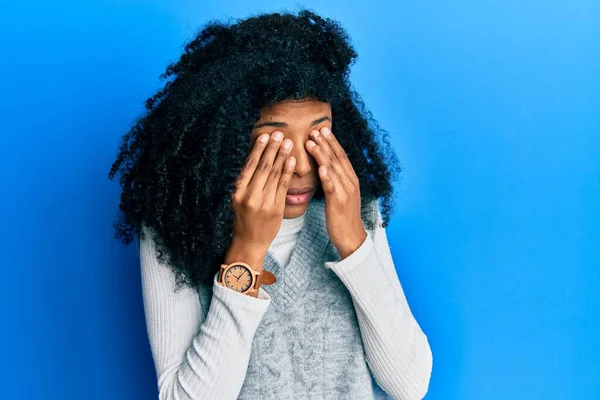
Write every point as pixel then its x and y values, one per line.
pixel 342 192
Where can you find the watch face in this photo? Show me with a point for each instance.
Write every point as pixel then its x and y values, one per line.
pixel 238 278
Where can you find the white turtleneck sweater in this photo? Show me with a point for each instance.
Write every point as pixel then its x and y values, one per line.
pixel 284 242
pixel 187 348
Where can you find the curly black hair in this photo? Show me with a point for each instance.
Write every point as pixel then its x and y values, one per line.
pixel 179 162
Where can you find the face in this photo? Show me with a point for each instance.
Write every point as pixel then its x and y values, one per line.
pixel 296 119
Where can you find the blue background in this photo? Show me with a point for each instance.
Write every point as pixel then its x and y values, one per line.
pixel 494 107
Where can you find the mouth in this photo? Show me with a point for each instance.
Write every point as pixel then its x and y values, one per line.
pixel 299 196
pixel 301 190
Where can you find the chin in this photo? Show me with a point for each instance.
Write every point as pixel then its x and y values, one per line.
pixel 293 211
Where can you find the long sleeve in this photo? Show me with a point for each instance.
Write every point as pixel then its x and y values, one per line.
pixel 197 358
pixel 397 350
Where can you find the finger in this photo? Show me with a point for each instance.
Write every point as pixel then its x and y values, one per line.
pixel 274 177
pixel 251 162
pixel 328 184
pixel 329 158
pixel 322 153
pixel 285 180
pixel 340 153
pixel 261 174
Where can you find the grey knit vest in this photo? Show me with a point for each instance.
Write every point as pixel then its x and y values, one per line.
pixel 308 344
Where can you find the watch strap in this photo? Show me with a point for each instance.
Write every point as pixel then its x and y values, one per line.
pixel 267 278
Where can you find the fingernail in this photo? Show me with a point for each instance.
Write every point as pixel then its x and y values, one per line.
pixel 277 136
pixel 263 138
pixel 287 144
pixel 326 131
pixel 315 134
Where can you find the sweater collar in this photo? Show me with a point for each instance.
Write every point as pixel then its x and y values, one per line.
pixel 290 226
pixel 293 279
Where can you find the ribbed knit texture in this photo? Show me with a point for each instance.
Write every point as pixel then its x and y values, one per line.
pixel 283 244
pixel 327 329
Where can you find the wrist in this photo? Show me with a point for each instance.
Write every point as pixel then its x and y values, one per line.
pixel 241 250
pixel 346 249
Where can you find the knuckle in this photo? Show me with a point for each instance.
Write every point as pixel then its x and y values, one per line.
pixel 283 154
pixel 284 183
pixel 341 154
pixel 264 165
pixel 275 172
pixel 274 145
pixel 250 203
pixel 250 162
pixel 244 202
pixel 241 177
pixel 267 210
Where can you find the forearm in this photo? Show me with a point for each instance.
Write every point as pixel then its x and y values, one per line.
pixel 396 348
pixel 215 364
pixel 197 356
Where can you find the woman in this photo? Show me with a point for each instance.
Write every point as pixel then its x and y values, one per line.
pixel 252 183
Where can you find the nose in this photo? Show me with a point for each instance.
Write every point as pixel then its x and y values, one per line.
pixel 304 161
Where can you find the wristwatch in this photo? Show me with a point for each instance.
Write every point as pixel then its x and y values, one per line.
pixel 242 278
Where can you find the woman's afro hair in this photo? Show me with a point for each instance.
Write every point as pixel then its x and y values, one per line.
pixel 179 162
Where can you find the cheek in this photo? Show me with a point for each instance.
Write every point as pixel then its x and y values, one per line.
pixel 315 173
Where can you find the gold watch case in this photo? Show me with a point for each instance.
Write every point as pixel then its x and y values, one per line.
pixel 238 276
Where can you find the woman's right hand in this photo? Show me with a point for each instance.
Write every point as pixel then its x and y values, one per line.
pixel 259 198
